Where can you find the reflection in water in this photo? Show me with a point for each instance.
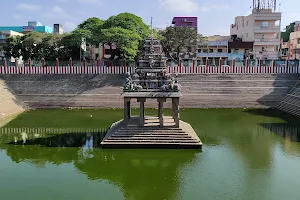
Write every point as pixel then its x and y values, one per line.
pixel 290 134
pixel 238 160
pixel 141 174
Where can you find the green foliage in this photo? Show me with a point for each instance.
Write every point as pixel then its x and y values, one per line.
pixel 90 29
pixel 133 32
pixel 128 21
pixel 128 31
pixel 286 34
pixel 177 39
pixel 127 40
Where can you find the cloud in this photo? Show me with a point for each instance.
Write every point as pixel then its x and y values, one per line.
pixel 220 7
pixel 89 1
pixel 189 6
pixel 180 6
pixel 28 7
pixel 223 31
pixel 16 16
pixel 69 26
pixel 57 12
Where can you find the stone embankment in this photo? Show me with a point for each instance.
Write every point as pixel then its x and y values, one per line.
pixel 199 91
pixel 9 104
pixel 291 102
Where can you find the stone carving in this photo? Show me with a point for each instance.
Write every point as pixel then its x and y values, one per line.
pixel 151 71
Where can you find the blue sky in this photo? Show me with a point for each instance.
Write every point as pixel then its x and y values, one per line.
pixel 214 16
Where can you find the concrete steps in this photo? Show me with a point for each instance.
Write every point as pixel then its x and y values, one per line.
pixel 291 103
pixel 134 136
pixel 200 91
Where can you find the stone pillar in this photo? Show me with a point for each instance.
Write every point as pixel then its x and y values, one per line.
pixel 129 109
pixel 161 110
pixel 173 109
pixel 126 110
pixel 142 110
pixel 176 112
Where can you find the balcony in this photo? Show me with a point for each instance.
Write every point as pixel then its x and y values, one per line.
pixel 266 29
pixel 267 41
pixel 215 55
pixel 267 54
pixel 235 56
pixel 214 43
pixel 267 16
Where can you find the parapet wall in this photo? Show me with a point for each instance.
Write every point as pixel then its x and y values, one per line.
pixel 104 91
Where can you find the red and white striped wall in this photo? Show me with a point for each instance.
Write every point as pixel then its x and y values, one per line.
pixel 66 70
pixel 224 69
pixel 233 70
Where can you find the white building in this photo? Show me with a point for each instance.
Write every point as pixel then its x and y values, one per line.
pixel 262 27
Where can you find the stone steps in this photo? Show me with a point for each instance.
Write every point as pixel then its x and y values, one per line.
pixel 291 102
pixel 134 135
pixel 92 91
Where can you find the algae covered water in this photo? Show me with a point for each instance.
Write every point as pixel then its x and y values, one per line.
pixel 247 154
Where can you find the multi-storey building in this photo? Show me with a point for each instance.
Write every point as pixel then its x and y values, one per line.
pixel 262 27
pixel 58 29
pixel 291 48
pixel 31 26
pixel 213 48
pixel 239 50
pixel 191 22
pixel 294 50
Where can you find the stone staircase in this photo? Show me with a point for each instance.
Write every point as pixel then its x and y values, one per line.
pixel 198 90
pixel 152 135
pixel 9 104
pixel 291 103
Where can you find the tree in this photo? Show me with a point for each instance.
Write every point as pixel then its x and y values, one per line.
pixel 126 40
pixel 177 40
pixel 134 26
pixel 90 29
pixel 128 21
pixel 286 34
pixel 13 47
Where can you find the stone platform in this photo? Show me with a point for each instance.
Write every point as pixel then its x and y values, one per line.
pixel 152 135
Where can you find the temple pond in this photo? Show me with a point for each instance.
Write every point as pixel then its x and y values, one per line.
pixel 247 154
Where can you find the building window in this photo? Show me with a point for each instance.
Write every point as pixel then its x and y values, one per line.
pixel 199 50
pixel 298 40
pixel 189 24
pixel 211 50
pixel 246 34
pixel 220 50
pixel 236 51
pixel 237 27
pixel 247 23
pixel 263 49
pixel 205 51
pixel 265 24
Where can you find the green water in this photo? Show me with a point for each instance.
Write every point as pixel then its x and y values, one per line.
pixel 246 155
